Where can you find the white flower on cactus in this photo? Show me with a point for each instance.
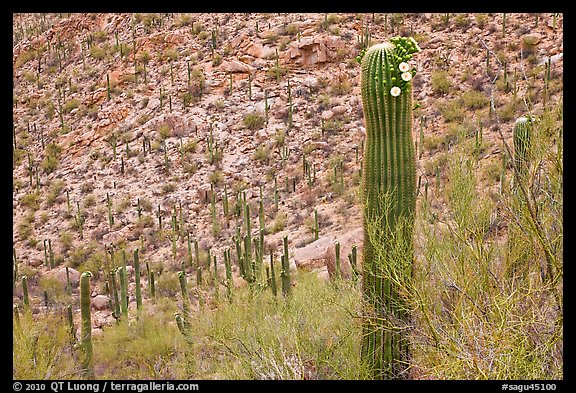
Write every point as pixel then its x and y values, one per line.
pixel 406 76
pixel 395 91
pixel 403 66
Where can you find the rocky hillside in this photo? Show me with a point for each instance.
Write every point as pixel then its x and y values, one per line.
pixel 132 130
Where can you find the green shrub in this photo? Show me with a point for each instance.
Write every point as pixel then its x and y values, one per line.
pixel 41 349
pixel 69 105
pixel 31 201
pixel 97 52
pixel 253 121
pixel 474 99
pixel 451 110
pixel 441 83
pixel 49 164
pixel 261 153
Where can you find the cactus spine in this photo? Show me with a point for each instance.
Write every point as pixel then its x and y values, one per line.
pixel 87 348
pixel 389 200
pixel 522 143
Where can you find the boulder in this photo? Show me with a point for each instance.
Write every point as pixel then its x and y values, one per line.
pixel 100 302
pixel 74 275
pixel 338 110
pixel 260 51
pixel 531 39
pixel 327 115
pixel 235 66
pixel 313 255
pixel 35 261
pixel 346 240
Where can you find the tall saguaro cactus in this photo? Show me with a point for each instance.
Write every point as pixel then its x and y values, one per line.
pixel 389 203
pixel 87 348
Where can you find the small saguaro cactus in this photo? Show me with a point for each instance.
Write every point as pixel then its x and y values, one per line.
pixel 285 272
pixel 86 342
pixel 123 291
pixel 186 308
pixel 26 299
pixel 137 279
pixel 389 181
pixel 522 144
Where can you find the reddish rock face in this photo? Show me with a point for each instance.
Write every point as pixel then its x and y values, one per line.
pixel 312 50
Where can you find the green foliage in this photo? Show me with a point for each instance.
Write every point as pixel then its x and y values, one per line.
pixel 452 110
pixel 441 83
pixel 31 201
pixel 69 105
pixel 473 99
pixel 253 121
pixel 262 153
pixel 49 164
pixel 149 348
pixel 41 349
pixel 279 222
pixel 97 52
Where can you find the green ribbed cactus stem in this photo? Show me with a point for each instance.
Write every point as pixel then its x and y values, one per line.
pixel 216 280
pixel 316 228
pixel 337 252
pixel 225 205
pixel 189 243
pixel 45 254
pixel 240 257
pixel 180 323
pixel 16 311
pixel 68 283
pixel 260 251
pixel 115 294
pixel 353 257
pixel 86 316
pixel 123 291
pixel 199 276
pixel 108 86
pixel 196 253
pixel 285 272
pixel 248 246
pixel 273 276
pixel 522 137
pixel 229 282
pixel 186 308
pixel 70 322
pixel 152 284
pixel 25 297
pixel 389 181
pixel 137 280
pixel 51 254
